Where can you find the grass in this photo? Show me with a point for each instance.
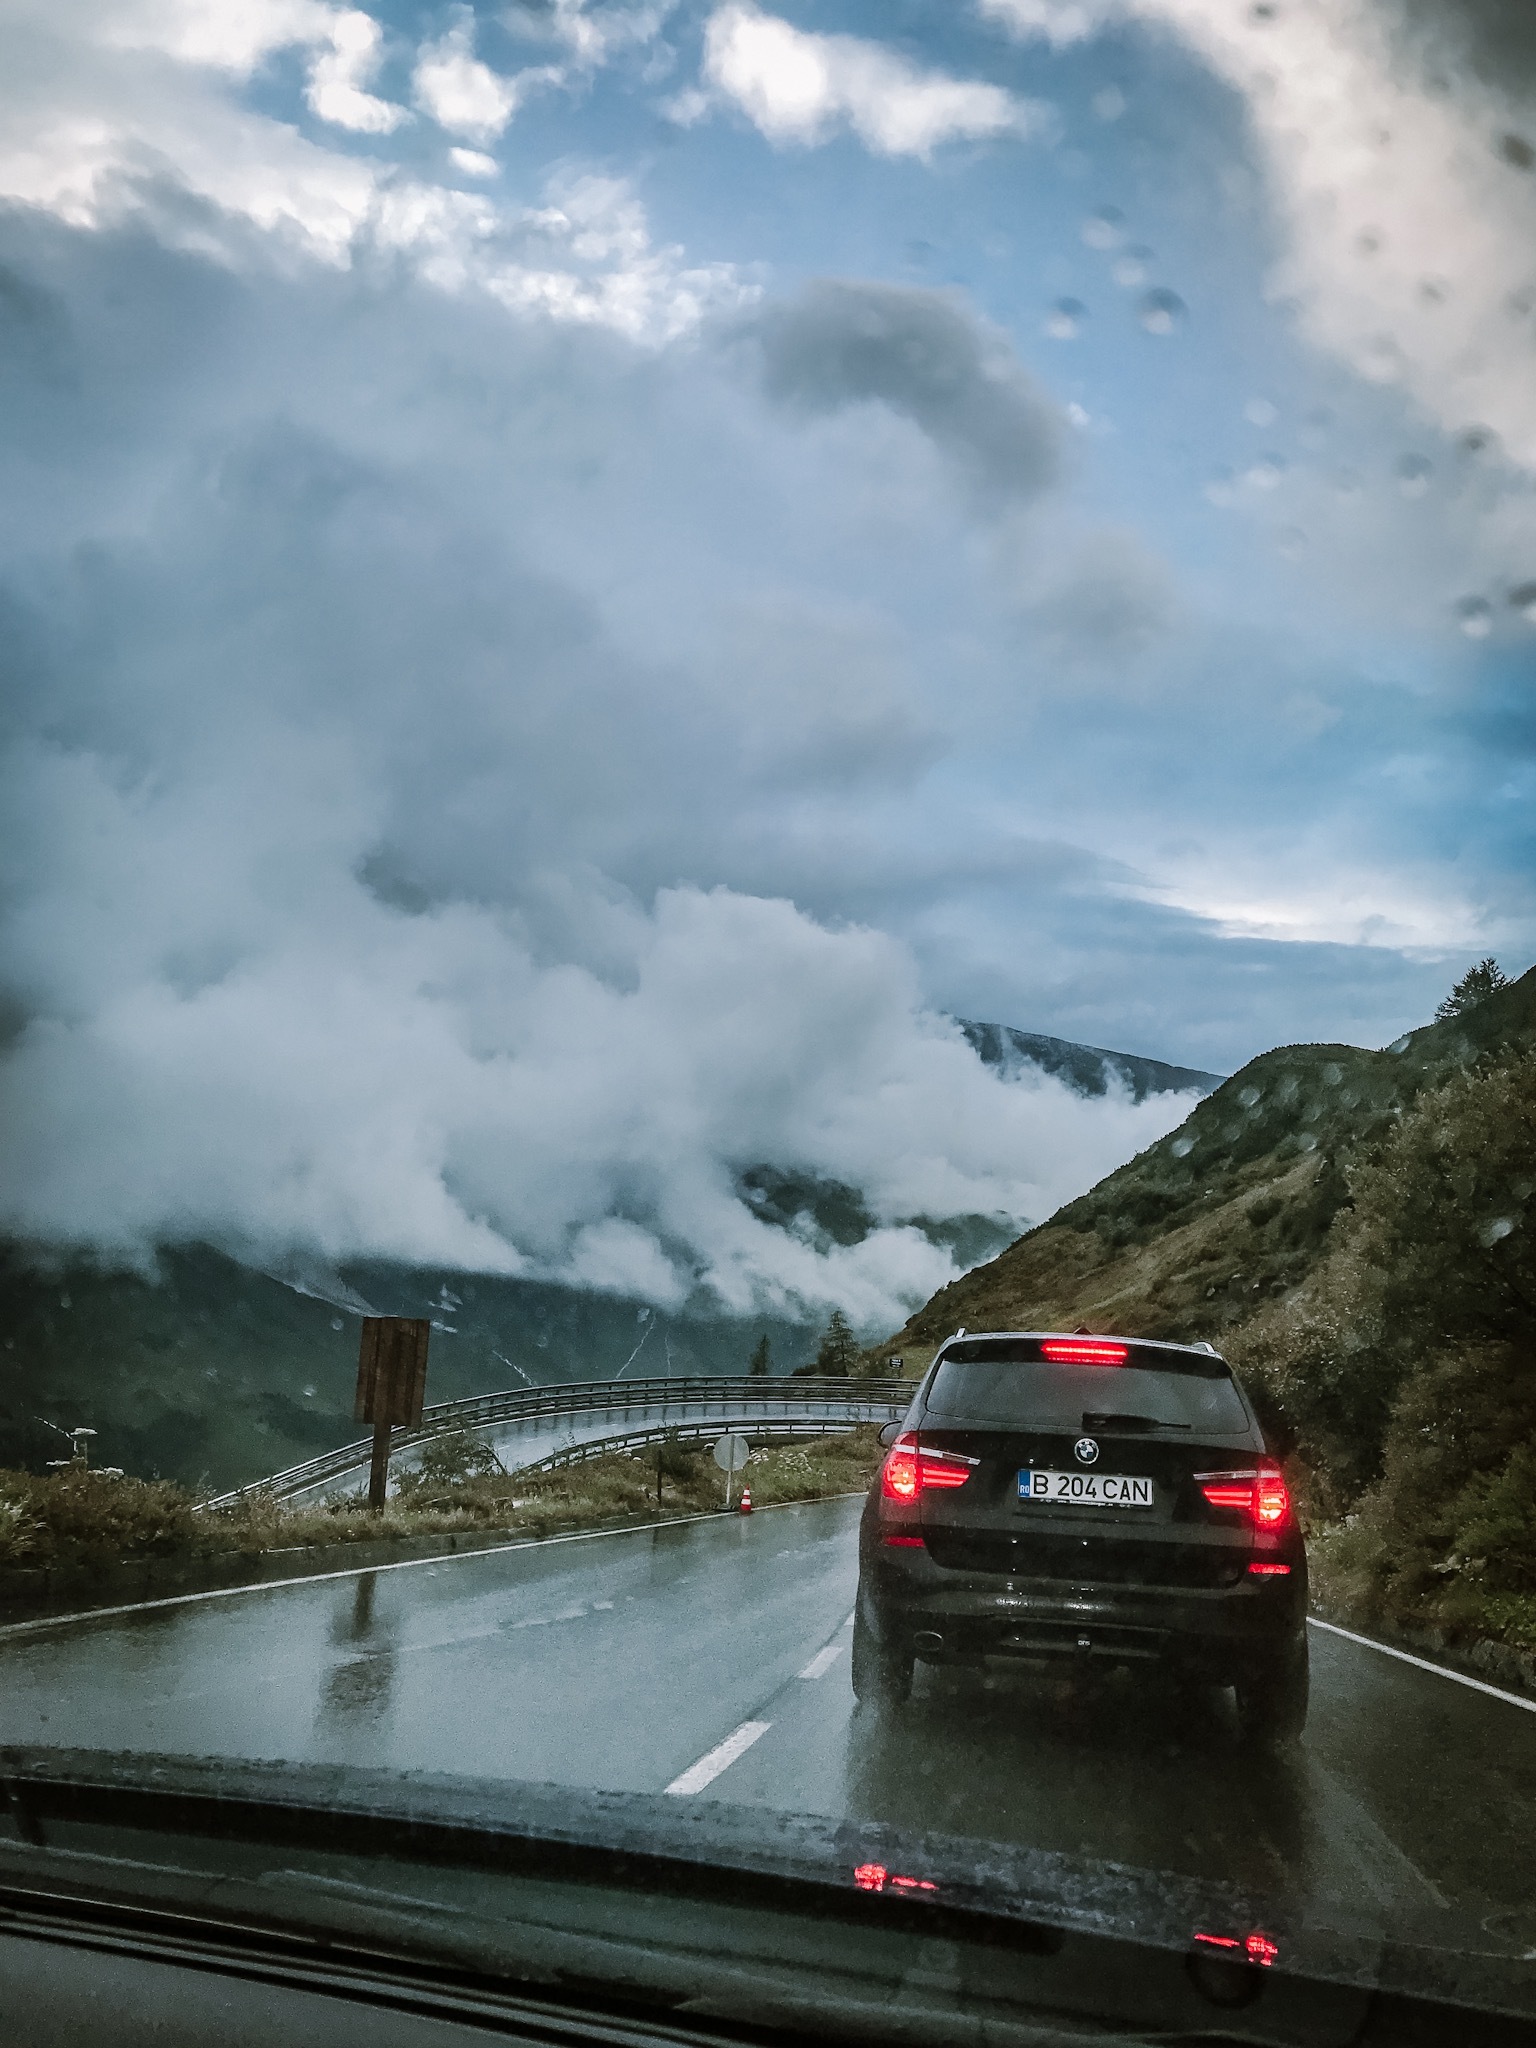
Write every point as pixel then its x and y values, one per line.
pixel 84 1519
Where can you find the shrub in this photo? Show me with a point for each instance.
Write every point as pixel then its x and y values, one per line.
pixel 79 1516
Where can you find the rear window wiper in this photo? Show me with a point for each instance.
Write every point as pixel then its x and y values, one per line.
pixel 1094 1421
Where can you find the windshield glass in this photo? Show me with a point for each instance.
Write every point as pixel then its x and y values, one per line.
pixel 703 699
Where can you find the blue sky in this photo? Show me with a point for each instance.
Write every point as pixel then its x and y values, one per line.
pixel 1029 500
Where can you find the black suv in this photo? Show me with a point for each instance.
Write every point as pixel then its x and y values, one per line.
pixel 1085 1497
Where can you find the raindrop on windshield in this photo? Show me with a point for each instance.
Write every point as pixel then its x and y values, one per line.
pixel 1130 269
pixel 1476 441
pixel 1109 104
pixel 1413 473
pixel 1266 472
pixel 1475 617
pixel 1104 229
pixel 1259 412
pixel 1065 320
pixel 1382 359
pixel 1523 598
pixel 1162 312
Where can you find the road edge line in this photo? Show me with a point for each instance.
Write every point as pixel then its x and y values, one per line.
pixel 1423 1664
pixel 403 1564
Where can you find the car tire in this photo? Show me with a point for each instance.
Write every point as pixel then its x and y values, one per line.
pixel 1272 1695
pixel 881 1677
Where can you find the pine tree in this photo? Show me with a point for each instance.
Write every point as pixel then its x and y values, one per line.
pixel 1474 987
pixel 839 1347
pixel 761 1365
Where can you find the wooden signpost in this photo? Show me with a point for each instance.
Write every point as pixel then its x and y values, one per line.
pixel 391 1385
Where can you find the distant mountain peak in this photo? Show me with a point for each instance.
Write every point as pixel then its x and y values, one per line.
pixel 1089 1069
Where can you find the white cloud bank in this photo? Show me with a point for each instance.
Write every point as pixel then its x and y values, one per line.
pixel 359 876
pixel 361 1081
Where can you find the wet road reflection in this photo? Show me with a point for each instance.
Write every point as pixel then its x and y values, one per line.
pixel 621 1661
pixel 1115 1768
pixel 359 1680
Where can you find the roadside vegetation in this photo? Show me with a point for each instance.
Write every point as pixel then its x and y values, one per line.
pixel 1404 1368
pixel 1356 1231
pixel 87 1519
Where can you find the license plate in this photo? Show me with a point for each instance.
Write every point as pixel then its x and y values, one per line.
pixel 1086 1489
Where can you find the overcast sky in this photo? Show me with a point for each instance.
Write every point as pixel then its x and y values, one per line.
pixel 575 578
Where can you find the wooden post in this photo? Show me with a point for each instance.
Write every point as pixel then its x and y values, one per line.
pixel 378 1470
pixel 391 1386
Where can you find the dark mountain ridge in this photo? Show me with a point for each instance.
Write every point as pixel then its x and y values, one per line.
pixel 1087 1068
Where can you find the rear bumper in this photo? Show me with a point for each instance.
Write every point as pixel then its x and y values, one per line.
pixel 1217 1633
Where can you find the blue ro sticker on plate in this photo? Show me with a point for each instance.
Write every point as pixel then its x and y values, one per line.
pixel 1087 1489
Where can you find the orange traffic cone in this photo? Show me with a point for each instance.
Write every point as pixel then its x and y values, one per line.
pixel 746 1500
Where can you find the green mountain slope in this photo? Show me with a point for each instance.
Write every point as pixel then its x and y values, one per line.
pixel 1357 1232
pixel 1192 1236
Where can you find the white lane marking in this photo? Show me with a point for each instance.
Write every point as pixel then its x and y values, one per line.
pixel 405 1564
pixel 1440 1670
pixel 719 1759
pixel 822 1661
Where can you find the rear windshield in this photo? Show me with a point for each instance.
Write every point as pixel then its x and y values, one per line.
pixel 1014 1386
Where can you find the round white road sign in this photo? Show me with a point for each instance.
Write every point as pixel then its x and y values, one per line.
pixel 731 1453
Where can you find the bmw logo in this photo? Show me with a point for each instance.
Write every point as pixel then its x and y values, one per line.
pixel 1086 1451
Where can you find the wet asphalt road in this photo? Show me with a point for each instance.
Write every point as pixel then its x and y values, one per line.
pixel 637 1659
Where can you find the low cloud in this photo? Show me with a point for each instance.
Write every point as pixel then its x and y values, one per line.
pixel 363 888
pixel 841 342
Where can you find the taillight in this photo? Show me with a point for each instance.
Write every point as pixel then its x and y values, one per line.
pixel 910 1469
pixel 1271 1502
pixel 1084 1351
pixel 1260 1495
pixel 898 1481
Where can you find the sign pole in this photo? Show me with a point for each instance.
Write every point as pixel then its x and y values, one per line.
pixel 378 1470
pixel 731 1454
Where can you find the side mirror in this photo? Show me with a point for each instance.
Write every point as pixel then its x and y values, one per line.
pixel 889 1434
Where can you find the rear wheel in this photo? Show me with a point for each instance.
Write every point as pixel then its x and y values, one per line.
pixel 1272 1695
pixel 881 1677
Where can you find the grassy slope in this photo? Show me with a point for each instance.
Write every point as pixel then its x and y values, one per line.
pixel 81 1519
pixel 1191 1238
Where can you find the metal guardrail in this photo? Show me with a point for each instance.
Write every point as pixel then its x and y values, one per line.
pixel 813 1398
pixel 779 1427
